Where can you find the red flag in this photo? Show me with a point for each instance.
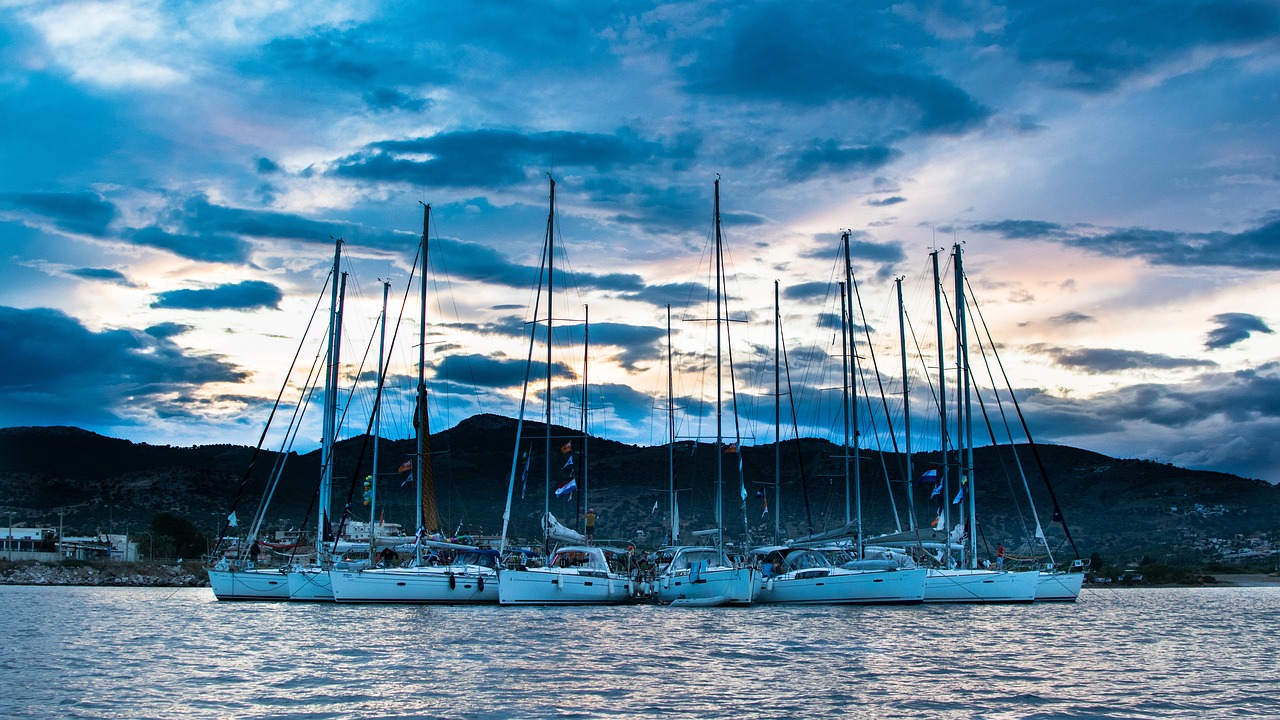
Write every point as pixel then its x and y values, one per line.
pixel 566 448
pixel 731 448
pixel 406 466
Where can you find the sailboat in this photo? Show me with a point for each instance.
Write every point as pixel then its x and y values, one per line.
pixel 699 574
pixel 575 574
pixel 469 575
pixel 967 584
pixel 241 577
pixel 805 575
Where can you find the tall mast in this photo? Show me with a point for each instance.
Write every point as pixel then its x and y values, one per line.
pixel 420 422
pixel 377 424
pixel 329 431
pixel 844 396
pixel 551 264
pixel 671 434
pixel 853 386
pixel 777 416
pixel 906 406
pixel 330 404
pixel 945 513
pixel 719 381
pixel 964 410
pixel 586 356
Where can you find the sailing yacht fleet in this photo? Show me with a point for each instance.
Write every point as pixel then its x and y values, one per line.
pixel 938 564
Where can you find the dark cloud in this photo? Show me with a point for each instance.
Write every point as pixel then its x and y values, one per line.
pixel 247 295
pixel 498 158
pixel 811 54
pixel 486 372
pixel 638 343
pixel 1099 46
pixel 1250 249
pixel 60 372
pixel 77 212
pixel 167 329
pixel 103 274
pixel 885 202
pixel 205 248
pixel 1072 318
pixel 807 290
pixel 267 166
pixel 386 99
pixel 1107 360
pixel 1233 328
pixel 831 156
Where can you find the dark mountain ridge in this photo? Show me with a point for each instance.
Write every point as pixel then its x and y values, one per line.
pixel 1117 507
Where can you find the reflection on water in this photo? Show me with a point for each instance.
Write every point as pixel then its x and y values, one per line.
pixel 161 653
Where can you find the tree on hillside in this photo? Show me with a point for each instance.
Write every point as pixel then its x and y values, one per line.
pixel 176 536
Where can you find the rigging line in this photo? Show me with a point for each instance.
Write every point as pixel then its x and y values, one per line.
pixel 524 394
pixel 377 402
pixel 995 447
pixel 875 431
pixel 795 425
pixel 244 480
pixel 286 445
pixel 1035 452
pixel 982 348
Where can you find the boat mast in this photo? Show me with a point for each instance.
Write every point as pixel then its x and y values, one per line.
pixel 944 513
pixel 853 385
pixel 671 433
pixel 330 402
pixel 551 263
pixel 906 407
pixel 719 381
pixel 420 422
pixel 964 411
pixel 586 356
pixel 844 396
pixel 777 416
pixel 377 425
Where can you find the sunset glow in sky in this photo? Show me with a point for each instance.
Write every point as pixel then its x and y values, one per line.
pixel 174 172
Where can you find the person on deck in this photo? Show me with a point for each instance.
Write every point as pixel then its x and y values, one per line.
pixel 591 524
pixel 999 556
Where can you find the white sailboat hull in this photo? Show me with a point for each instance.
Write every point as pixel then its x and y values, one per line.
pixel 438 585
pixel 251 584
pixel 837 586
pixel 980 586
pixel 562 586
pixel 1059 586
pixel 310 584
pixel 726 585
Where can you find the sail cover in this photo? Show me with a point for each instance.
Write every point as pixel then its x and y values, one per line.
pixel 558 532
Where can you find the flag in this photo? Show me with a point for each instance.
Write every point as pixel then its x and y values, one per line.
pixel 655 507
pixel 567 488
pixel 743 487
pixel 566 448
pixel 937 522
pixel 568 463
pixel 928 477
pixel 407 480
pixel 766 507
pixel 959 496
pixel 231 520
pixel 406 466
pixel 524 476
pixel 937 490
pixel 731 448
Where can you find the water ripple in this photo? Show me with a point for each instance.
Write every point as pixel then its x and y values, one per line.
pixel 150 653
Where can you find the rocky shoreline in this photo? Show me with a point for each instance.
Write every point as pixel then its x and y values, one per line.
pixel 109 574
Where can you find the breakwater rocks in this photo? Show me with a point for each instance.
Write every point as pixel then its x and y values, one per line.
pixel 117 574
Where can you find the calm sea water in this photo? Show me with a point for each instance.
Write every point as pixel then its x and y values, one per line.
pixel 161 653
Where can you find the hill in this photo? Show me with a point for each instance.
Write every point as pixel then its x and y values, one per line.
pixel 1123 509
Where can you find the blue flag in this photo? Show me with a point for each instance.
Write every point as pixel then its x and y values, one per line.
pixel 928 477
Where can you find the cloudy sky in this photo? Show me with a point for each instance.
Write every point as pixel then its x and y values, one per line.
pixel 174 172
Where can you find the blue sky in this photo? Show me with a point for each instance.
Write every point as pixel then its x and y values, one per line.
pixel 173 173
